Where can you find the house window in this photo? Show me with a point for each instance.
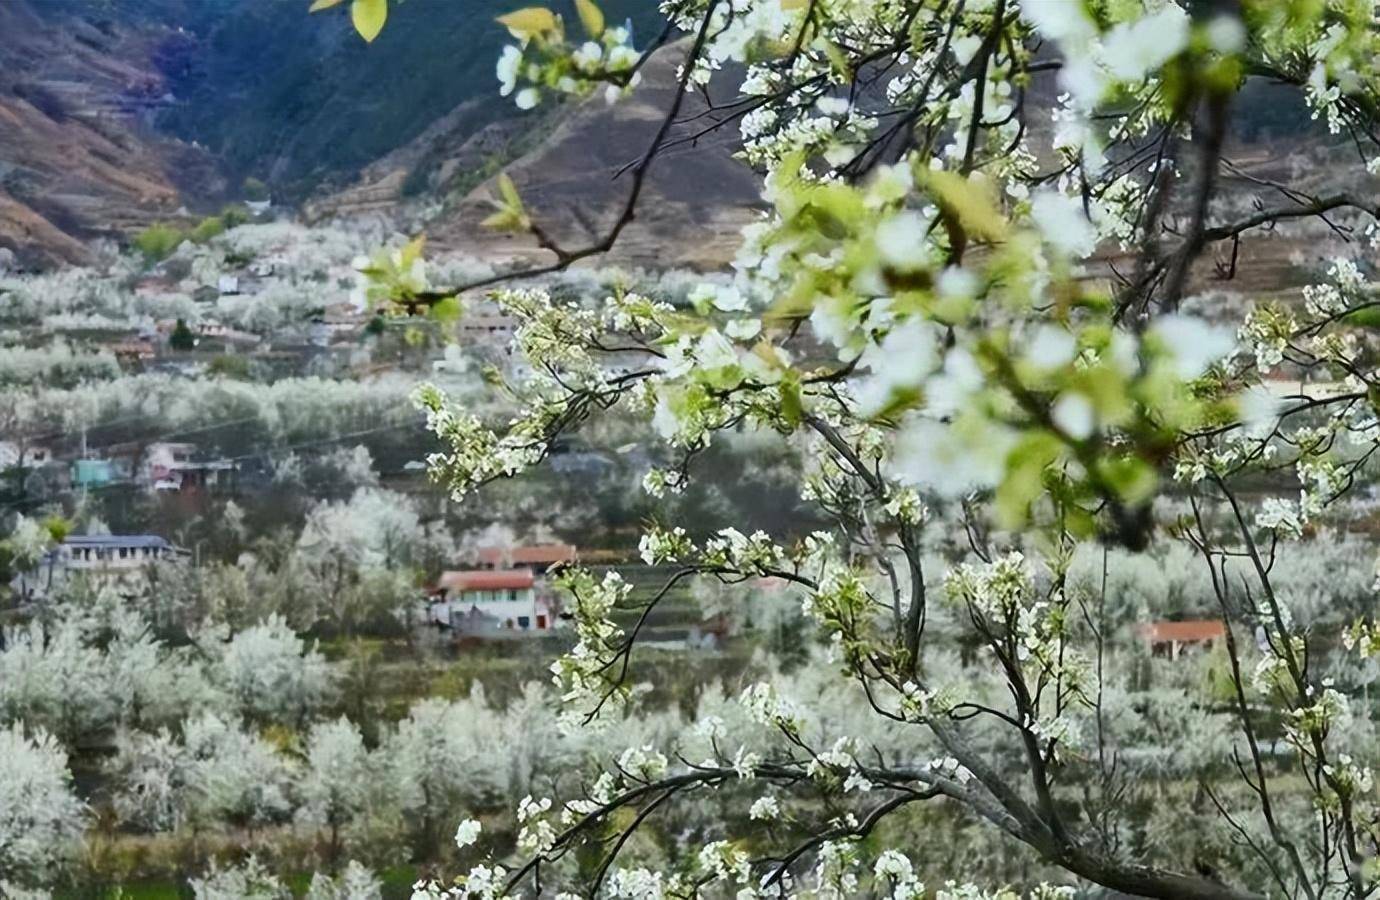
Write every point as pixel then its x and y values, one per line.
pixel 124 553
pixel 524 622
pixel 512 594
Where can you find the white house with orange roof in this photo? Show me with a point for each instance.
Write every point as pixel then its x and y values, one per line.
pixel 499 603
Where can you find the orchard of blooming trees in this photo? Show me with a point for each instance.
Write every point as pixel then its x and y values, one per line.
pixel 972 335
pixel 972 304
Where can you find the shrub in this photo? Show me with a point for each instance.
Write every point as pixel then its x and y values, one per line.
pixel 158 241
pixel 182 338
pixel 206 229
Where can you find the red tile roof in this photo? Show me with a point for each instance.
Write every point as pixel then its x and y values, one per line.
pixel 501 580
pixel 1191 631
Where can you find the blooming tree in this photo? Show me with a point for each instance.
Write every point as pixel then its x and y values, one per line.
pixel 234 775
pixel 41 818
pixel 251 879
pixel 924 313
pixel 270 672
pixel 358 552
pixel 355 883
pixel 217 774
pixel 335 783
pixel 84 671
pixel 440 760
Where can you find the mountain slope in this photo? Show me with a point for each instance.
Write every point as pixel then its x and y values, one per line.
pixel 299 100
pixel 694 202
pixel 114 113
pixel 76 156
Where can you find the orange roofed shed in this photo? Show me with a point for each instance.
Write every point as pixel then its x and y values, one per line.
pixel 539 557
pixel 1171 638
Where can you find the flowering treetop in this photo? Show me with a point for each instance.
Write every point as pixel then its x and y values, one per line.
pixel 922 309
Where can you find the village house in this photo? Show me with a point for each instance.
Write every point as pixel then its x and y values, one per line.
pixel 493 603
pixel 106 552
pixel 1172 638
pixel 14 454
pixel 132 350
pixel 538 557
pixel 94 473
pixel 118 561
pixel 336 320
pixel 225 334
pixel 160 458
pixel 171 466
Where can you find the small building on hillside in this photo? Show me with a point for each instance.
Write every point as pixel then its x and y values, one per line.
pixel 226 335
pixel 161 459
pixel 103 552
pixel 497 603
pixel 538 558
pixel 177 466
pixel 1173 638
pixel 14 454
pixel 93 473
pixel 118 561
pixel 132 351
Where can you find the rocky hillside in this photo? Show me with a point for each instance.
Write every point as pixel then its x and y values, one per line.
pixel 117 113
pixel 114 113
pixel 77 156
pixel 569 166
pixel 696 199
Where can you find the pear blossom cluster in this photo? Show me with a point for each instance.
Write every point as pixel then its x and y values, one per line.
pixel 584 674
pixel 546 62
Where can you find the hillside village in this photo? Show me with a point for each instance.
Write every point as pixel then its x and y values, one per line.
pixel 977 498
pixel 266 306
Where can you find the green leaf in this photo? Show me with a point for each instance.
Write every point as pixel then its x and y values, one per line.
pixel 1024 481
pixel 792 409
pixel 531 21
pixel 1133 479
pixel 411 252
pixel 503 220
pixel 369 16
pixel 58 528
pixel 448 310
pixel 510 216
pixel 591 17
pixel 509 192
pixel 842 67
pixel 319 5
pixel 971 202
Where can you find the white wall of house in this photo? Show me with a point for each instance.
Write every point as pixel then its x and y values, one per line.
pixel 520 607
